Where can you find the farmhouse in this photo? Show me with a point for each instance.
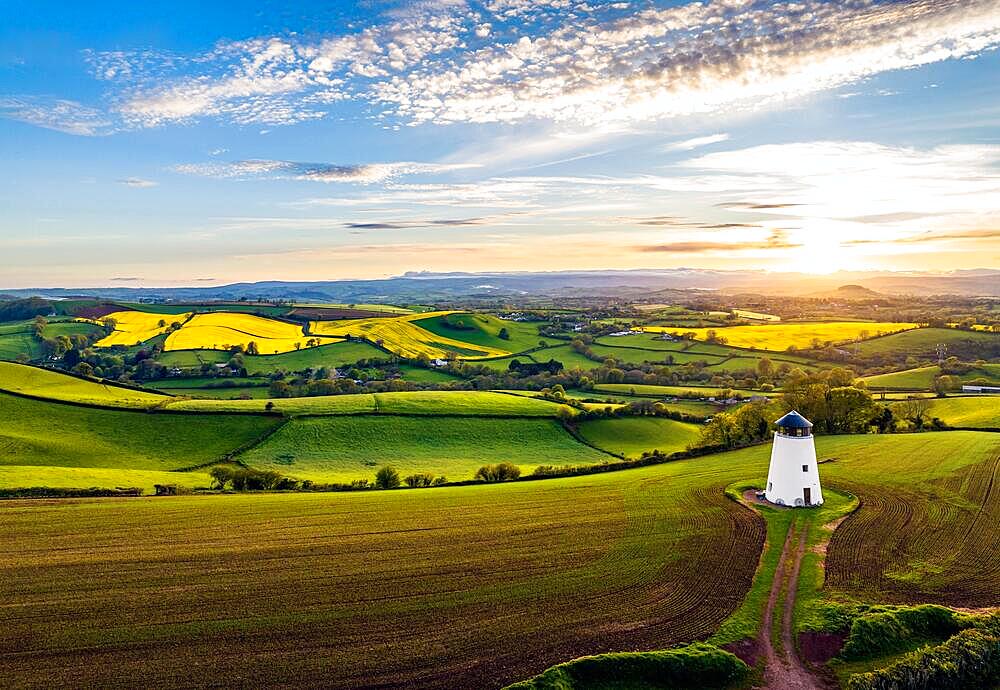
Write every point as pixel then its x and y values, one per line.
pixel 793 476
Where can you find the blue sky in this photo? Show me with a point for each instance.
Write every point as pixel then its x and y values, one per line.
pixel 196 144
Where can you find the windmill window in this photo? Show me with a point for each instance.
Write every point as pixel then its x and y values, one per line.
pixel 805 468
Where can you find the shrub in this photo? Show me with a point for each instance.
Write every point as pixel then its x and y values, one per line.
pixel 419 480
pixel 885 631
pixel 501 472
pixel 970 659
pixel 697 665
pixel 387 477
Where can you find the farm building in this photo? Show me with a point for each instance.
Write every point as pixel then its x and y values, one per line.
pixel 981 389
pixel 793 476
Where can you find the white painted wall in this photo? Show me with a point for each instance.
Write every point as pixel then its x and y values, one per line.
pixel 785 478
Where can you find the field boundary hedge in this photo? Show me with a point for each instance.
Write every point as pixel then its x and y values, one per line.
pixel 156 409
pixel 698 665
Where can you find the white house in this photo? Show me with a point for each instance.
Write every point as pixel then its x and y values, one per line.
pixel 793 477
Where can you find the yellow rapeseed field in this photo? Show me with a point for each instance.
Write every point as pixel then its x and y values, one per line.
pixel 779 337
pixel 134 327
pixel 222 330
pixel 404 338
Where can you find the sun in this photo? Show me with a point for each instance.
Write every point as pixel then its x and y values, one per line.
pixel 820 253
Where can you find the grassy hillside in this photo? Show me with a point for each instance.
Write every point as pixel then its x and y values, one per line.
pixel 19 378
pixel 41 433
pixel 341 449
pixel 403 336
pixel 631 436
pixel 466 586
pixel 973 411
pixel 483 329
pixel 923 341
pixel 17 343
pixel 922 378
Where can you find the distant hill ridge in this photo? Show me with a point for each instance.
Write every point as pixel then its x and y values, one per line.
pixel 415 287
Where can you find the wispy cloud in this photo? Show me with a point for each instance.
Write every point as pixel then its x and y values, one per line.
pixel 138 182
pixel 697 142
pixel 69 117
pixel 365 173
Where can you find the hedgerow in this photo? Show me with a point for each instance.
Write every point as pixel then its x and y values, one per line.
pixel 696 665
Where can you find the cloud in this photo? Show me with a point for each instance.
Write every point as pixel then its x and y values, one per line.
pixel 138 182
pixel 365 173
pixel 560 61
pixel 776 240
pixel 697 142
pixel 68 117
pixel 689 59
pixel 405 225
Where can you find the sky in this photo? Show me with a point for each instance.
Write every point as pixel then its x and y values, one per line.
pixel 182 143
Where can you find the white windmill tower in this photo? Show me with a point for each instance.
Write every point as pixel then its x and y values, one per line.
pixel 793 477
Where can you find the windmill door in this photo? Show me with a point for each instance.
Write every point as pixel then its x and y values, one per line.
pixel 807 495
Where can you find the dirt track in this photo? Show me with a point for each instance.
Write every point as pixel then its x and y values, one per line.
pixel 783 669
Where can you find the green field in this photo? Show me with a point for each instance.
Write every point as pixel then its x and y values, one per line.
pixel 345 448
pixel 483 329
pixel 26 380
pixel 422 375
pixel 464 586
pixel 630 436
pixel 921 341
pixel 646 390
pixel 407 403
pixel 976 411
pixel 15 344
pixel 23 476
pixel 922 378
pixel 37 433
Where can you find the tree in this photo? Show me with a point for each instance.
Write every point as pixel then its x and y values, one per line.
pixel 279 389
pixel 252 348
pixel 221 476
pixel 387 477
pixel 503 334
pixel 765 368
pixel 943 384
pixel 913 409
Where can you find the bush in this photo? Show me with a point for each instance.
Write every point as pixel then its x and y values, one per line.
pixel 416 481
pixel 885 631
pixel 387 477
pixel 501 472
pixel 970 659
pixel 697 665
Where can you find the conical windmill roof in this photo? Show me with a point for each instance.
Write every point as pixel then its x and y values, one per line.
pixel 794 420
